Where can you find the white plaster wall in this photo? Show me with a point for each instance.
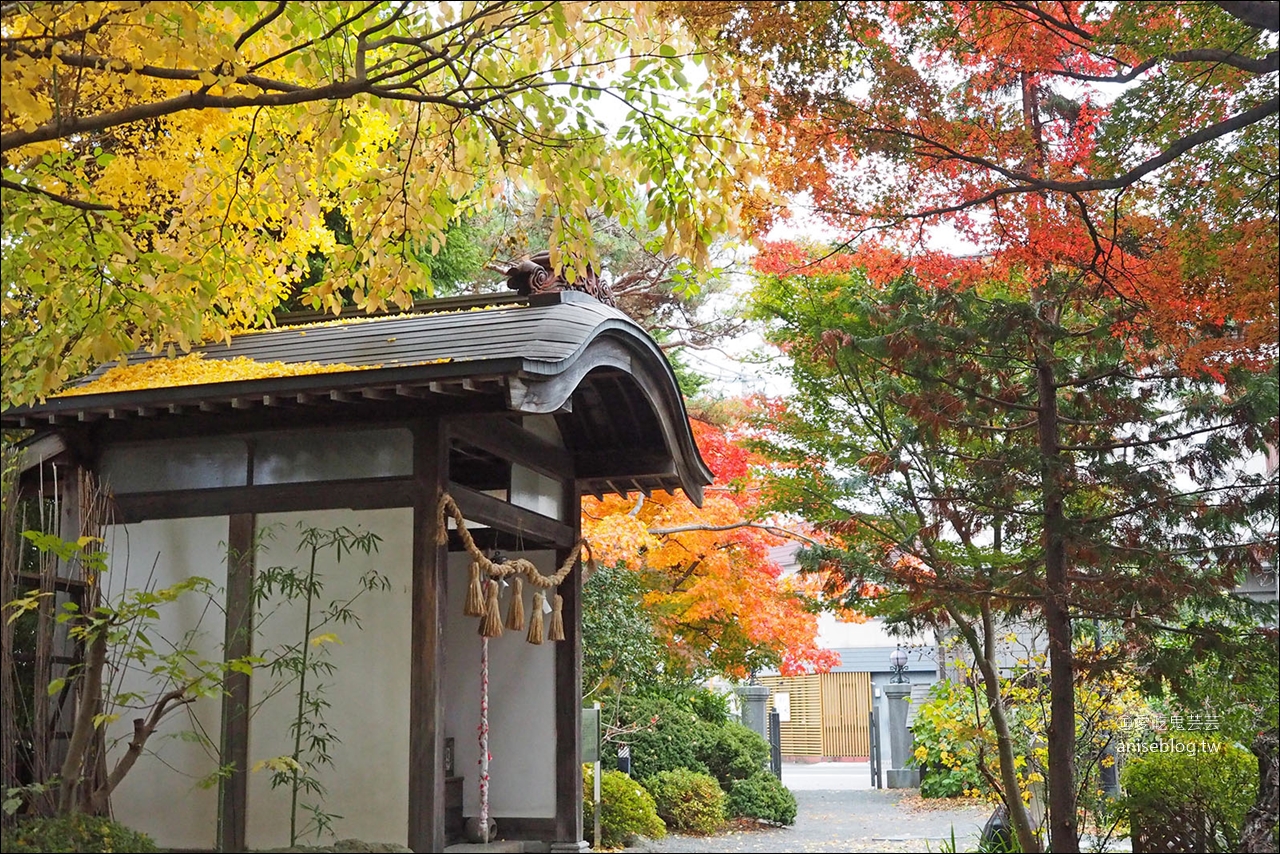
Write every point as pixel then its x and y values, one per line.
pixel 160 794
pixel 522 735
pixel 369 688
pixel 536 492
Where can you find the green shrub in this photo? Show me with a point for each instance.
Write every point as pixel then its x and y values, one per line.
pixel 1218 783
pixel 76 832
pixel 762 795
pixel 946 734
pixel 710 706
pixel 733 752
pixel 671 735
pixel 687 800
pixel 626 809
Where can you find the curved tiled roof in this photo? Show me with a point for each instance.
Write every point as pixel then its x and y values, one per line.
pixel 544 335
pixel 561 353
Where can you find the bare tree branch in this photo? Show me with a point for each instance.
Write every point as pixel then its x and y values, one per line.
pixel 1028 183
pixel 772 529
pixel 1255 13
pixel 78 204
pixel 261 22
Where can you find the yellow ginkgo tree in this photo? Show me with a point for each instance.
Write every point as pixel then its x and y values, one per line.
pixel 170 168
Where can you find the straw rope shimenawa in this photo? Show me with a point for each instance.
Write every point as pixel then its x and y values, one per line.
pixel 484 603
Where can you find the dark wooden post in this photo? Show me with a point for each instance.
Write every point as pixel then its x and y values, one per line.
pixel 426 663
pixel 233 796
pixel 569 698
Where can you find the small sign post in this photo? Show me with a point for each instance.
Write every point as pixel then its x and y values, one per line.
pixel 591 753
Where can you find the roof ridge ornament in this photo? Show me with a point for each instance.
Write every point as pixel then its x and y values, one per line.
pixel 533 274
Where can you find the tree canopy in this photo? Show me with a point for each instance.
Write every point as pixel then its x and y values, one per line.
pixel 714 594
pixel 1134 144
pixel 984 452
pixel 169 168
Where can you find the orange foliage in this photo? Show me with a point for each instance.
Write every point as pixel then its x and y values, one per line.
pixel 962 108
pixel 715 595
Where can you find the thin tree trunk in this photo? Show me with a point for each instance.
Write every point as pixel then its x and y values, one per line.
pixel 10 559
pixel 98 801
pixel 1063 836
pixel 89 696
pixel 984 656
pixel 1260 822
pixel 41 714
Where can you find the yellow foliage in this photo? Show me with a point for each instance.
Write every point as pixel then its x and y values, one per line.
pixel 158 191
pixel 194 369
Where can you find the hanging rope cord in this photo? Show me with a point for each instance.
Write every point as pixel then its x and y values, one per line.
pixel 482 601
pixel 482 596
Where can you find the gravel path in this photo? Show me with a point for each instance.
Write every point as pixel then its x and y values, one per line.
pixel 850 820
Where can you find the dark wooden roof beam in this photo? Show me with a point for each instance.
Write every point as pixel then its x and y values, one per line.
pixel 377 393
pixel 37 451
pixel 242 403
pixel 599 464
pixel 496 513
pixel 358 494
pixel 411 391
pixel 506 439
pixel 450 388
pixel 342 396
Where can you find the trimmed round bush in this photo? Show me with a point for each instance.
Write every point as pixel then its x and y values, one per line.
pixel 688 801
pixel 762 796
pixel 733 752
pixel 76 832
pixel 671 736
pixel 626 809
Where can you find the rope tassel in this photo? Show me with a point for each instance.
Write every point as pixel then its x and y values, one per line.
pixel 491 622
pixel 474 606
pixel 535 622
pixel 515 614
pixel 556 631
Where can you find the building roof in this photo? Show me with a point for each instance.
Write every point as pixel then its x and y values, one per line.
pixel 613 392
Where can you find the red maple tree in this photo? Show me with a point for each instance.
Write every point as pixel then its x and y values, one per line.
pixel 721 603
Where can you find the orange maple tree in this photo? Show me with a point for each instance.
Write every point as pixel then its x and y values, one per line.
pixel 720 603
pixel 1128 148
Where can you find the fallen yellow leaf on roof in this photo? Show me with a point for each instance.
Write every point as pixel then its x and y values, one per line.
pixel 195 369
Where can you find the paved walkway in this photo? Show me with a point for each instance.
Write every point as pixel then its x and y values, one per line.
pixel 853 817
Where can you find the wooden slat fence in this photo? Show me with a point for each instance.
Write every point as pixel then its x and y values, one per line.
pixel 846 699
pixel 828 714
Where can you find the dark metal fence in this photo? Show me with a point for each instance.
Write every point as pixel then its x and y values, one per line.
pixel 876 766
pixel 775 743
